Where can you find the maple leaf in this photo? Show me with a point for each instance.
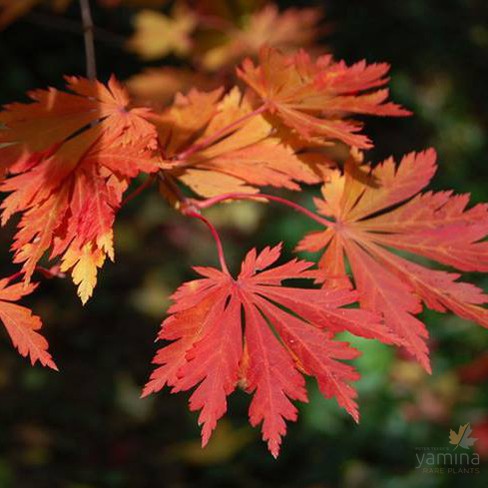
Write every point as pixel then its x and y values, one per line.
pixel 157 35
pixel 314 97
pixel 287 331
pixel 236 149
pixel 36 131
pixel 22 326
pixel 70 158
pixel 369 221
pixel 289 29
pixel 462 437
pixel 181 123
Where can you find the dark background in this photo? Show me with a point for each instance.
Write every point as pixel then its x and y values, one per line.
pixel 86 427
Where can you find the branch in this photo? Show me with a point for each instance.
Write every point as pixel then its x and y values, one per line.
pixel 174 192
pixel 215 235
pixel 145 184
pixel 201 204
pixel 187 208
pixel 49 273
pixel 91 64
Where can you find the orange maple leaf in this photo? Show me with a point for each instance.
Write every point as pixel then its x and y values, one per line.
pixel 70 157
pixel 216 146
pixel 206 328
pixel 65 125
pixel 314 97
pixel 286 30
pixel 368 223
pixel 22 326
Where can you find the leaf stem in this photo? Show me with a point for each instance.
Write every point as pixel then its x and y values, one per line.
pixel 217 135
pixel 174 190
pixel 88 28
pixel 15 276
pixel 201 204
pixel 145 184
pixel 189 209
pixel 215 235
pixel 49 273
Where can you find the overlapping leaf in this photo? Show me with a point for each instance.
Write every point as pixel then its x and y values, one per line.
pixel 292 28
pixel 236 149
pixel 287 331
pixel 316 98
pixel 233 33
pixel 369 221
pixel 70 157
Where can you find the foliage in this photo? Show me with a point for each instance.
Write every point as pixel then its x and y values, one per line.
pixel 284 119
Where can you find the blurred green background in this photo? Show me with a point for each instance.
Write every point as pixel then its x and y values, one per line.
pixel 86 426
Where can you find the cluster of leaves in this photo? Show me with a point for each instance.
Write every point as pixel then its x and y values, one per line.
pixel 215 36
pixel 212 37
pixel 68 157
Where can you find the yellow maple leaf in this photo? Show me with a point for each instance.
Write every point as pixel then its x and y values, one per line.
pixel 157 35
pixel 85 263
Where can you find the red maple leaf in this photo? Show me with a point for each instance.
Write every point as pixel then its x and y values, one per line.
pixel 285 331
pixel 369 223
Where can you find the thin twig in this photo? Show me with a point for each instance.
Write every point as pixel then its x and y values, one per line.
pixel 145 184
pixel 201 204
pixel 53 272
pixel 215 235
pixel 188 209
pixel 91 64
pixel 174 191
